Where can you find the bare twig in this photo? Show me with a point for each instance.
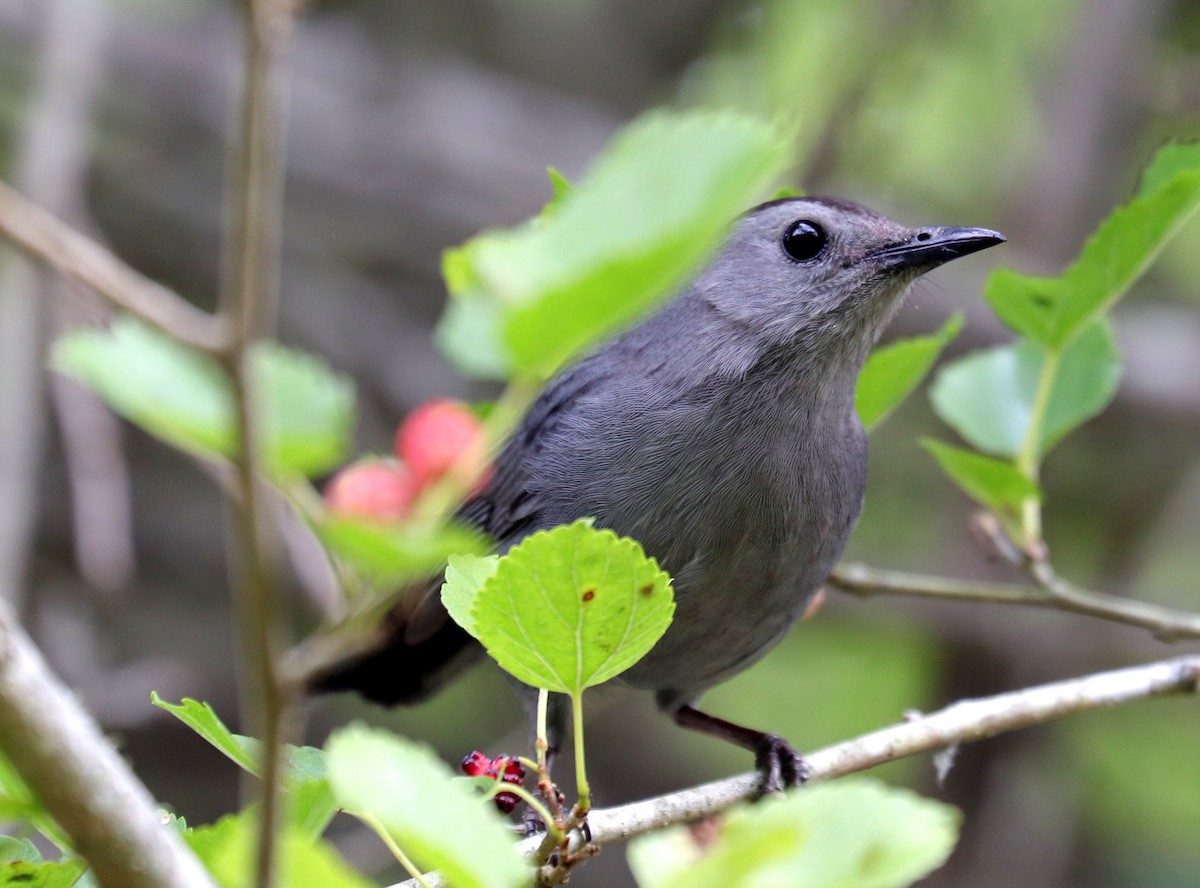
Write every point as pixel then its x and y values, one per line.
pixel 1051 592
pixel 75 772
pixel 47 240
pixel 247 304
pixel 962 722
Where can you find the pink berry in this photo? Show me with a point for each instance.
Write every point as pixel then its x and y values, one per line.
pixel 375 489
pixel 438 436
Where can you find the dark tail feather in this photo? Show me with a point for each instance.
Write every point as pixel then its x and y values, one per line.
pixel 396 671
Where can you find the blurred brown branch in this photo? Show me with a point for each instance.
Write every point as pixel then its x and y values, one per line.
pixel 962 722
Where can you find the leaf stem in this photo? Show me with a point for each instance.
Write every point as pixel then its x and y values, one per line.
pixel 397 852
pixel 1029 457
pixel 585 794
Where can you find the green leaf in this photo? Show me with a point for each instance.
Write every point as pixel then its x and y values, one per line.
pixel 465 578
pixel 21 866
pixel 893 371
pixel 227 849
pixel 848 834
pixel 168 389
pixel 994 483
pixel 573 607
pixel 393 555
pixel 1055 310
pixel 651 208
pixel 307 411
pixel 439 823
pixel 988 396
pixel 311 804
pixel 183 397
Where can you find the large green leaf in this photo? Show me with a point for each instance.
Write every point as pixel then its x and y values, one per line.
pixel 183 397
pixel 893 371
pixel 992 482
pixel 848 834
pixel 1054 311
pixel 988 396
pixel 438 822
pixel 650 209
pixel 228 847
pixel 573 607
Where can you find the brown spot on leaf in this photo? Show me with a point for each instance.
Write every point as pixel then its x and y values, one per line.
pixel 589 594
pixel 647 589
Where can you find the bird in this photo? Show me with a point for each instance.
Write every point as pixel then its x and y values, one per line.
pixel 720 432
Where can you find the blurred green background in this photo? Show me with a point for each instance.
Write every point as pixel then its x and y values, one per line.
pixel 415 124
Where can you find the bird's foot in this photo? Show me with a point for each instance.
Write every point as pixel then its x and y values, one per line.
pixel 779 764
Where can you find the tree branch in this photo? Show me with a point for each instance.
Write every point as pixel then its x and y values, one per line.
pixel 44 238
pixel 1052 593
pixel 962 722
pixel 82 781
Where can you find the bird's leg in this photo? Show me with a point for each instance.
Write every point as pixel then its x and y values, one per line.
pixel 778 762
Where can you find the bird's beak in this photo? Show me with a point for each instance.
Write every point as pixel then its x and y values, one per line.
pixel 930 247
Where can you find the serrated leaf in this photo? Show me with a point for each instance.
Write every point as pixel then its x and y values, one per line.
pixel 992 482
pixel 465 579
pixel 228 847
pixel 573 607
pixel 988 396
pixel 184 398
pixel 436 821
pixel 307 411
pixel 311 805
pixel 650 209
pixel 893 371
pixel 1054 311
pixel 392 555
pixel 21 866
pixel 848 834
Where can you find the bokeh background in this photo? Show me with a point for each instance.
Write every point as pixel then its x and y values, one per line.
pixel 415 124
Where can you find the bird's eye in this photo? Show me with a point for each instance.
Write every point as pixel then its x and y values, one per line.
pixel 804 240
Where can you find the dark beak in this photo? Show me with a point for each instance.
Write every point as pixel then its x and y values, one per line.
pixel 930 247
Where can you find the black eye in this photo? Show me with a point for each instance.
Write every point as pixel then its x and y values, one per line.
pixel 804 240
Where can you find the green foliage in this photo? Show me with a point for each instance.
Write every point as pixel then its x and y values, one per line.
pixel 404 788
pixel 654 205
pixel 570 608
pixel 848 834
pixel 18 804
pixel 310 800
pixel 21 866
pixel 465 577
pixel 894 370
pixel 183 397
pixel 389 555
pixel 228 848
pixel 997 484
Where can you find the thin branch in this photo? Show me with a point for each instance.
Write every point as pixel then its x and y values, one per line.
pixel 44 238
pixel 1052 593
pixel 78 775
pixel 962 722
pixel 247 305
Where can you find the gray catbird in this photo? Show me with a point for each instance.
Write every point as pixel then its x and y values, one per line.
pixel 720 433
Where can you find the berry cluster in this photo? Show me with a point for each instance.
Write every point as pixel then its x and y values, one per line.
pixel 439 438
pixel 476 764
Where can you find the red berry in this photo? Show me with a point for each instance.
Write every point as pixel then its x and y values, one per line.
pixel 380 490
pixel 438 436
pixel 476 764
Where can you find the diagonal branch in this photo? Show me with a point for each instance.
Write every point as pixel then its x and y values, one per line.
pixel 46 239
pixel 1051 592
pixel 962 722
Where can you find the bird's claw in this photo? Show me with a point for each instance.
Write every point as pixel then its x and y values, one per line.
pixel 779 764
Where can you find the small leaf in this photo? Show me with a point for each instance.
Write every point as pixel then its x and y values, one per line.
pixel 573 607
pixel 1055 310
pixel 392 555
pixel 438 822
pixel 21 866
pixel 203 719
pixel 228 847
pixel 988 396
pixel 848 834
pixel 992 482
pixel 893 371
pixel 465 578
pixel 651 208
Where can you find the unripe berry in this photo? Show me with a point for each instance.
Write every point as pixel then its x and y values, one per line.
pixel 438 436
pixel 375 489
